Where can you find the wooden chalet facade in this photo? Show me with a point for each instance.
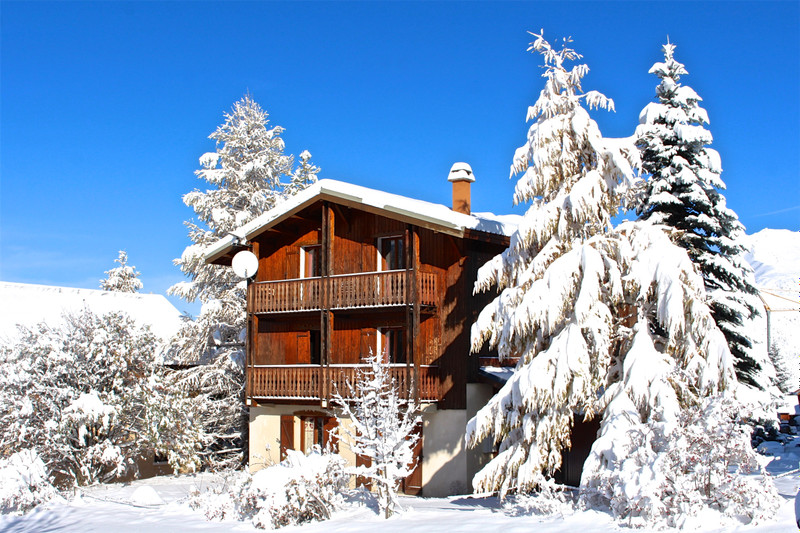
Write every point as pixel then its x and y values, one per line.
pixel 344 271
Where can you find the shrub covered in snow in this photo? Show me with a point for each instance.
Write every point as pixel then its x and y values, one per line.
pixel 302 488
pixel 89 398
pixel 675 473
pixel 23 483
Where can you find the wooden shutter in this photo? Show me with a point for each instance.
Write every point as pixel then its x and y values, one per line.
pixel 331 438
pixel 363 481
pixel 287 434
pixel 292 265
pixel 303 348
pixel 368 343
pixel 412 485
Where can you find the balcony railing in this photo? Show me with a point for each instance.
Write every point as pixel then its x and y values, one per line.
pixel 350 291
pixel 314 382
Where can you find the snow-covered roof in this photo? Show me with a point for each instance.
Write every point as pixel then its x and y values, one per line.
pixel 437 216
pixel 497 374
pixel 27 304
pixel 788 404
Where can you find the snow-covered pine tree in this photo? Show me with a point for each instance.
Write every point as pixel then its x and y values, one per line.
pixel 608 322
pixel 304 175
pixel 683 192
pixel 123 278
pixel 379 424
pixel 245 174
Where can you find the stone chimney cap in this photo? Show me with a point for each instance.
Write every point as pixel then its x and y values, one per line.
pixel 461 172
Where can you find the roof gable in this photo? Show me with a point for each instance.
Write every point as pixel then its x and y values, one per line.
pixel 437 217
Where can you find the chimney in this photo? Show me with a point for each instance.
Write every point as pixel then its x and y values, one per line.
pixel 461 177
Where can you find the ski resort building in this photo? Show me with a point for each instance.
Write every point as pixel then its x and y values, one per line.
pixel 344 271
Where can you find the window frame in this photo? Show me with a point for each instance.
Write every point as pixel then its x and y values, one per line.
pixel 304 251
pixel 400 256
pixel 398 342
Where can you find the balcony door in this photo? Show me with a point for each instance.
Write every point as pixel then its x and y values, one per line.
pixel 390 253
pixel 310 267
pixel 311 261
pixel 309 348
pixel 392 344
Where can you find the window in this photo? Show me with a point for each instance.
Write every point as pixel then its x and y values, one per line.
pixel 390 253
pixel 309 348
pixel 313 432
pixel 315 429
pixel 392 344
pixel 311 261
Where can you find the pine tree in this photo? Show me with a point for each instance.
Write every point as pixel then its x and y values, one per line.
pixel 683 192
pixel 123 278
pixel 382 429
pixel 245 176
pixel 606 322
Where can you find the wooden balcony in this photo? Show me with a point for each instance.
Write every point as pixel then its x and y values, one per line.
pixel 314 382
pixel 350 291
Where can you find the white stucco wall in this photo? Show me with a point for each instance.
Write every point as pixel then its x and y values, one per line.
pixel 478 395
pixel 444 459
pixel 265 434
pixel 447 465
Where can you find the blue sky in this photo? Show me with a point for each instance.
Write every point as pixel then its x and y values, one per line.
pixel 106 107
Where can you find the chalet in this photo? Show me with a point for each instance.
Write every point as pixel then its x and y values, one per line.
pixel 343 271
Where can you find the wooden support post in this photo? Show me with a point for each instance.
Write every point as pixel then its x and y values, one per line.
pixel 251 336
pixel 326 316
pixel 411 249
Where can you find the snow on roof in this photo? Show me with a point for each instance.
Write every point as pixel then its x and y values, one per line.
pixel 789 404
pixel 498 374
pixel 27 304
pixel 392 205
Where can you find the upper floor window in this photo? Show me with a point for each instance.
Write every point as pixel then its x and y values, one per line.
pixel 390 253
pixel 311 261
pixel 392 344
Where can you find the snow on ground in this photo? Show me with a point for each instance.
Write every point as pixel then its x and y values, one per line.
pixel 135 507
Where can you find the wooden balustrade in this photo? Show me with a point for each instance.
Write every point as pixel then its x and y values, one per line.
pixel 373 289
pixel 289 381
pixel 305 381
pixel 369 290
pixel 281 296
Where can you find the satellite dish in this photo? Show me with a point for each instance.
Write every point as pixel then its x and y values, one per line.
pixel 245 264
